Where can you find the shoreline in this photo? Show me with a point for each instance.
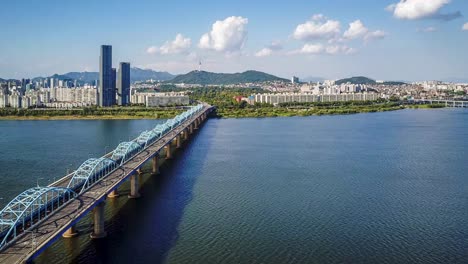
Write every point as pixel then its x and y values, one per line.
pixel 71 117
pixel 221 114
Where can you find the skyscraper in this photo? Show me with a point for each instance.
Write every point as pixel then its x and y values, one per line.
pixel 106 89
pixel 114 86
pixel 123 83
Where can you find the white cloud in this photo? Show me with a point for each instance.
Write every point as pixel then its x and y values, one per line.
pixel 152 50
pixel 356 30
pixel 312 49
pixel 269 49
pixel 264 52
pixel 465 27
pixel 228 35
pixel 418 9
pixel 317 28
pixel 378 34
pixel 319 17
pixel 337 49
pixel 322 49
pixel 179 45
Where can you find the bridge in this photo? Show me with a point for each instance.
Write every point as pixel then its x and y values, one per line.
pixel 37 217
pixel 448 103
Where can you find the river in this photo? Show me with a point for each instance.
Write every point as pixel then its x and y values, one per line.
pixel 368 188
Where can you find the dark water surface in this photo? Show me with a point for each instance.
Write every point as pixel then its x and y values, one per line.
pixel 368 188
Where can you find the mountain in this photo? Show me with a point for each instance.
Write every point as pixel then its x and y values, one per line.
pixel 356 80
pixel 136 74
pixel 203 78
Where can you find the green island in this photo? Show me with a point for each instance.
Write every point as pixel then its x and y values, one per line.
pixel 226 107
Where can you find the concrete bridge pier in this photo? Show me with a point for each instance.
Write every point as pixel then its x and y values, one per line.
pixel 155 165
pixel 167 149
pixel 134 186
pixel 178 139
pixel 185 134
pixel 196 123
pixel 71 232
pixel 191 128
pixel 113 194
pixel 98 214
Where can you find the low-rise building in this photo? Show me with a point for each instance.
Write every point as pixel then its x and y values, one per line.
pixel 160 99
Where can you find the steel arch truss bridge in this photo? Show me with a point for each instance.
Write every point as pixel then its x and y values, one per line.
pixel 125 151
pixel 29 208
pixel 40 204
pixel 90 172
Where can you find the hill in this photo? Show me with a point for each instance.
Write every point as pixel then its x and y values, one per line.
pixel 356 80
pixel 204 78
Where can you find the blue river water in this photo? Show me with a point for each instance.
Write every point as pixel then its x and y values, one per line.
pixel 368 188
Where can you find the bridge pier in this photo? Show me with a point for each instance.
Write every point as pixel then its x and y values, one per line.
pixel 191 128
pixel 185 134
pixel 134 186
pixel 167 149
pixel 178 138
pixel 71 232
pixel 196 123
pixel 155 164
pixel 113 194
pixel 98 213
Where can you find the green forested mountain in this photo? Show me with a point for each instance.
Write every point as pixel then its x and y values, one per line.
pixel 203 78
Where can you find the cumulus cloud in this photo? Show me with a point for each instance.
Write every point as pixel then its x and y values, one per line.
pixel 269 49
pixel 264 52
pixel 152 50
pixel 356 29
pixel 465 27
pixel 378 34
pixel 179 45
pixel 337 49
pixel 317 28
pixel 312 49
pixel 419 9
pixel 322 49
pixel 228 35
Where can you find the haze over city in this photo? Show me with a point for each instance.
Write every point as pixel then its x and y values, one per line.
pixel 389 40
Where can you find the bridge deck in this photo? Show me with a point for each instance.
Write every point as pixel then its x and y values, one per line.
pixel 30 244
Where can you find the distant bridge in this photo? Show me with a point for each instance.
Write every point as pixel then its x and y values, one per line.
pixel 36 218
pixel 448 103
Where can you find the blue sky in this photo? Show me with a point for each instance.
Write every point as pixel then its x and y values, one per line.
pixel 389 39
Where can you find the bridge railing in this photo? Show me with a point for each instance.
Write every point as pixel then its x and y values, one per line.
pixel 29 208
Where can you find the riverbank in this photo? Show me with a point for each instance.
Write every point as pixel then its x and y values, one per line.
pixel 222 112
pixel 90 113
pixel 339 109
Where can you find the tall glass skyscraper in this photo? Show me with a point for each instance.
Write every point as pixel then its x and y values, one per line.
pixel 106 85
pixel 123 83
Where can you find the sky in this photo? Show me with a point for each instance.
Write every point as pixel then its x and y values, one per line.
pixel 386 39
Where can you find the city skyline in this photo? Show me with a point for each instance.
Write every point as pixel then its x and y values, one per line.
pixel 389 40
